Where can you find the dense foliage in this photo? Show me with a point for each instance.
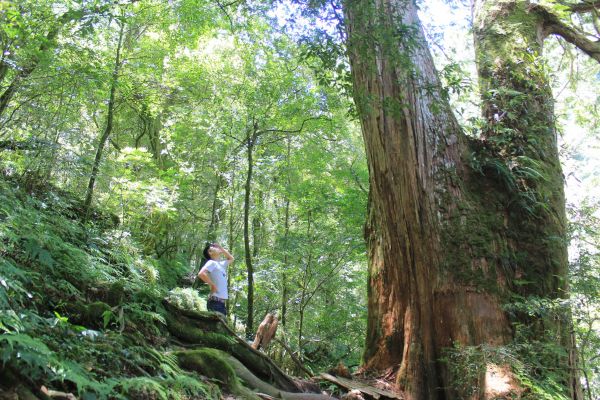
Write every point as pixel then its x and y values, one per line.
pixel 126 129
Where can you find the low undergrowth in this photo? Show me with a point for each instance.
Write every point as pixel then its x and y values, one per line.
pixel 80 306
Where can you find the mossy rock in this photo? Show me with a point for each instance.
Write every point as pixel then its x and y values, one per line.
pixel 95 311
pixel 116 293
pixel 89 315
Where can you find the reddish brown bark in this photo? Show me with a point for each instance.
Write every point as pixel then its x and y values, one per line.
pixel 445 240
pixel 408 147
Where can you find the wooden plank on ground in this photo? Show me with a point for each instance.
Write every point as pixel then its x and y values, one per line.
pixel 349 384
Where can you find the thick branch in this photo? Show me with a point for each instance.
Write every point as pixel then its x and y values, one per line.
pixel 293 357
pixel 553 25
pixel 32 144
pixel 583 7
pixel 44 47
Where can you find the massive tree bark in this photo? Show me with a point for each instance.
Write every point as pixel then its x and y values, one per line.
pixel 457 227
pixel 409 149
pixel 518 109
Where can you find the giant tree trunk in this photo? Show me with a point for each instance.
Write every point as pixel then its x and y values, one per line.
pixel 445 240
pixel 520 132
pixel 407 146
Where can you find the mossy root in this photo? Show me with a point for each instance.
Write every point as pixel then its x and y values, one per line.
pixel 220 365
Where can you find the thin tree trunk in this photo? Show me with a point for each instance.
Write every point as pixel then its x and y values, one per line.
pixel 286 233
pixel 7 95
pixel 214 220
pixel 109 124
pixel 153 125
pixel 230 242
pixel 305 282
pixel 284 283
pixel 49 168
pixel 257 233
pixel 3 65
pixel 27 70
pixel 247 250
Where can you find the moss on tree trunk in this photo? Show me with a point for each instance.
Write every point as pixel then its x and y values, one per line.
pixel 457 227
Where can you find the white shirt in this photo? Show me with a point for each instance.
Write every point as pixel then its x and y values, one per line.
pixel 218 274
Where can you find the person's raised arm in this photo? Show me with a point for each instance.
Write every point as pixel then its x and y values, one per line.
pixel 227 254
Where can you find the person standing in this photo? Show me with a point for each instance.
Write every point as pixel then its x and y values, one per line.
pixel 214 273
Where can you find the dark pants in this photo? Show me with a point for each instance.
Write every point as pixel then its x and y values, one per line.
pixel 216 306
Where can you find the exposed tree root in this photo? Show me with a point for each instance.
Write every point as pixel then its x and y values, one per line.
pixel 219 353
pixel 15 386
pixel 236 377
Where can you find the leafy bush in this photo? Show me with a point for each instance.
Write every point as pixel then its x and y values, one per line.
pixel 467 367
pixel 187 299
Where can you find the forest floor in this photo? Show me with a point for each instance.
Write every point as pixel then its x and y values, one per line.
pixel 84 316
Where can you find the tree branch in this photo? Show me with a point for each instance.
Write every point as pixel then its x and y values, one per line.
pixel 585 6
pixel 292 130
pixel 115 145
pixel 223 8
pixel 29 145
pixel 293 356
pixel 553 25
pixel 356 178
pixel 328 275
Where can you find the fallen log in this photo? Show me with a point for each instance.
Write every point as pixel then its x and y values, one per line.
pixel 350 385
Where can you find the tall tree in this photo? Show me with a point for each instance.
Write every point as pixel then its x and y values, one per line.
pixel 110 115
pixel 286 232
pixel 459 228
pixel 23 48
pixel 251 137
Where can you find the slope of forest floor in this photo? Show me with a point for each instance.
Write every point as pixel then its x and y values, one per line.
pixel 85 315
